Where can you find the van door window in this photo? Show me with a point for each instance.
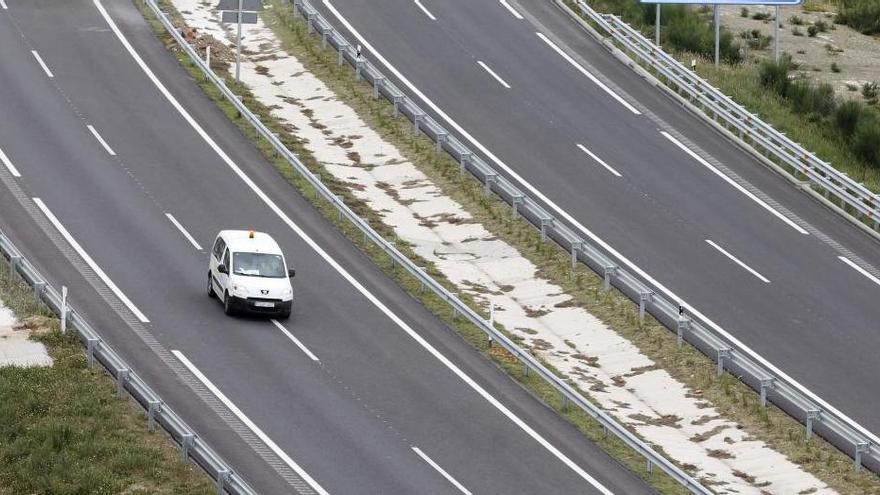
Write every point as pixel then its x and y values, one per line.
pixel 226 260
pixel 218 247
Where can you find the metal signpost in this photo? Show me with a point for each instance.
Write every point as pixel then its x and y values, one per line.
pixel 241 12
pixel 717 17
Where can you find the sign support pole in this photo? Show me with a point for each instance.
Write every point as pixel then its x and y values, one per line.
pixel 717 34
pixel 776 35
pixel 657 27
pixel 238 46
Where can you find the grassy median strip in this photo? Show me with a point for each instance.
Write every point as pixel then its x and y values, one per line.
pixel 686 364
pixel 64 431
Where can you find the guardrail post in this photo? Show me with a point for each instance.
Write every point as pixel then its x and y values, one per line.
pixel 296 7
pixel 339 209
pixel 310 16
pixel 63 309
pixel 684 323
pixel 223 476
pixel 575 246
pixel 153 408
pixel 121 378
pixel 525 369
pixel 91 346
pixel 812 415
pixel 377 86
pixel 723 353
pixel 417 120
pixel 237 111
pixel 39 287
pixel 397 100
pixel 318 179
pixel 766 384
pixel 545 222
pixel 208 56
pixel 441 140
pixel 515 201
pixel 186 441
pixel 13 263
pixel 324 35
pixel 610 270
pixel 564 402
pixel 861 448
pixel 358 67
pixel 342 46
pixel 462 161
pixel 454 309
pixel 644 299
pixel 490 179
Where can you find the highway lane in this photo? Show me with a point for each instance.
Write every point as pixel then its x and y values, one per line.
pixel 661 207
pixel 109 158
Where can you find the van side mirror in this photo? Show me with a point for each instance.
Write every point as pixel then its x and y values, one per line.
pixel 222 269
pixel 291 272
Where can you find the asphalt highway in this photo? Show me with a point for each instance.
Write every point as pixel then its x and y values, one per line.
pixel 546 105
pixel 117 174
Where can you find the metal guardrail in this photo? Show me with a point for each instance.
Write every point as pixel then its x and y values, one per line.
pixel 862 445
pixel 422 123
pixel 852 197
pixel 192 446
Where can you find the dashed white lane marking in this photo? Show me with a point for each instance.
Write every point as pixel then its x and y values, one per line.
pixel 738 262
pixel 42 64
pixel 101 140
pixel 425 10
pixel 601 162
pixel 89 261
pixel 587 73
pixel 183 231
pixel 3 5
pixel 442 471
pixel 247 421
pixel 9 166
pixel 493 74
pixel 511 9
pixel 295 341
pixel 859 269
pixel 733 183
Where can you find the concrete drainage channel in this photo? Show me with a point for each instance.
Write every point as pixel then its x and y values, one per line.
pixel 157 412
pixel 422 123
pixel 729 354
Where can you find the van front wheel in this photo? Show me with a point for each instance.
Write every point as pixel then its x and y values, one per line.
pixel 227 305
pixel 211 293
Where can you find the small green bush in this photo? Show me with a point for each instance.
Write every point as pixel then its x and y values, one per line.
pixel 808 98
pixel 812 31
pixel 744 12
pixel 847 116
pixel 861 15
pixel 866 141
pixel 870 90
pixel 774 75
pixel 821 25
pixel 690 33
pixel 761 16
pixel 796 31
pixel 797 21
pixel 834 67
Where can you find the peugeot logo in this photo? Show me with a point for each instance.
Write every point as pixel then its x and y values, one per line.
pixel 264 292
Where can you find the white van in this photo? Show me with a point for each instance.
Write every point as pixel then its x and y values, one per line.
pixel 247 271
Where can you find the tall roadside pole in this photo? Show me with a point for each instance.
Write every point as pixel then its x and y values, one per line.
pixel 239 12
pixel 716 18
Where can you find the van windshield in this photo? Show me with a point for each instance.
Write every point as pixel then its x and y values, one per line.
pixel 258 265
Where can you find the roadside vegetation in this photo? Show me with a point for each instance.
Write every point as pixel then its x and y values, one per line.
pixel 686 364
pixel 841 132
pixel 64 431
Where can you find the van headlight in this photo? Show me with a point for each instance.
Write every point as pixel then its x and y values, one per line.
pixel 287 292
pixel 239 290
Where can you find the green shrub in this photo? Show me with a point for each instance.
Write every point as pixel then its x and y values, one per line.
pixel 866 141
pixel 847 116
pixel 744 12
pixel 870 90
pixel 808 98
pixel 761 16
pixel 774 75
pixel 812 31
pixel 691 33
pixel 834 67
pixel 861 15
pixel 797 21
pixel 796 31
pixel 821 25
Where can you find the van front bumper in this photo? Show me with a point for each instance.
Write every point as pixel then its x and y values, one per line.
pixel 260 306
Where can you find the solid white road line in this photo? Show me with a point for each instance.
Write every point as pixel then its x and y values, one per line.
pixel 511 9
pixel 295 341
pixel 738 262
pixel 101 140
pixel 594 157
pixel 587 73
pixel 425 10
pixel 42 64
pixel 733 183
pixel 6 161
pixel 442 471
pixel 859 269
pixel 593 237
pixel 89 261
pixel 3 5
pixel 250 424
pixel 493 74
pixel 333 263
pixel 183 231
